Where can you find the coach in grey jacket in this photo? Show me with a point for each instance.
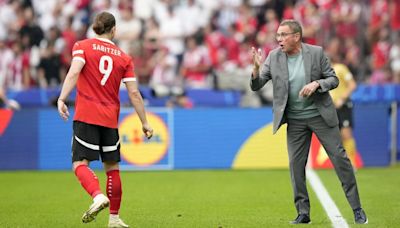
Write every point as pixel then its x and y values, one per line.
pixel 302 76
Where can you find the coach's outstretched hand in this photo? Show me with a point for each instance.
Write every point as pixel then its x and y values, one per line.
pixel 62 109
pixel 147 130
pixel 257 57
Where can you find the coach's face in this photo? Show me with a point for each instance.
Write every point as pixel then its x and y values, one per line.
pixel 288 40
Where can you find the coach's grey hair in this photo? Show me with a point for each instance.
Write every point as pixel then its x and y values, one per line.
pixel 294 26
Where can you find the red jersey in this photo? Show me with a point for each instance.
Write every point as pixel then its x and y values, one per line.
pixel 97 95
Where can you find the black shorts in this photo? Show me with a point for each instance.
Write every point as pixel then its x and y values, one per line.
pixel 89 141
pixel 345 115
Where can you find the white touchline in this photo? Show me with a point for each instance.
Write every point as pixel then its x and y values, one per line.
pixel 326 201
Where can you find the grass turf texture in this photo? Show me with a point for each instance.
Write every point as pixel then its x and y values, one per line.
pixel 222 198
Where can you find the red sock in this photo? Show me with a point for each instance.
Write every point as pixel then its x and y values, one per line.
pixel 114 190
pixel 88 180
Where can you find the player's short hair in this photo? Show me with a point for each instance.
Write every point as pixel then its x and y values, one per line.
pixel 293 25
pixel 103 23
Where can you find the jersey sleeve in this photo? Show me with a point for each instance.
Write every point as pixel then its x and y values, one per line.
pixel 129 75
pixel 78 53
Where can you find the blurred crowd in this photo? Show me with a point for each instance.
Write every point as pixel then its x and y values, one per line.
pixel 179 44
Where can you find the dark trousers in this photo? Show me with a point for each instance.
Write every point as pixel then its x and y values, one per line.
pixel 299 134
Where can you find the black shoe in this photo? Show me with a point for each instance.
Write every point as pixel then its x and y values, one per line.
pixel 301 219
pixel 360 217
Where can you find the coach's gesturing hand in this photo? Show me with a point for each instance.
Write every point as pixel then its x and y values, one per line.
pixel 256 56
pixel 309 89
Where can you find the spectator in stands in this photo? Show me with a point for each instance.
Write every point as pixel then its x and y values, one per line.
pixel 31 29
pixel 152 34
pixel 233 38
pixel 129 28
pixel 381 76
pixel 196 64
pixel 9 19
pixel 53 37
pixel 380 58
pixel 70 37
pixel 6 58
pixel 20 78
pixel 49 69
pixel 233 22
pixel 215 42
pixel 164 80
pixel 394 6
pixel 345 16
pixel 246 23
pixel 352 57
pixel 172 33
pixel 394 57
pixel 310 18
pixel 379 18
pixel 301 76
pixel 145 55
pixel 227 13
pixel 191 16
pixel 265 36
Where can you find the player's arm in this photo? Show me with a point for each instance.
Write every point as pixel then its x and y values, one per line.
pixel 351 85
pixel 137 102
pixel 68 86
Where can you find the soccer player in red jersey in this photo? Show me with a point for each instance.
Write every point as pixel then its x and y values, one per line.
pixel 97 69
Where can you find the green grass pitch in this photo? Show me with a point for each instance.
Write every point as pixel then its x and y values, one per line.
pixel 214 198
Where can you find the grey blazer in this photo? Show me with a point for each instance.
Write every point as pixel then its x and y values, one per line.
pixel 317 68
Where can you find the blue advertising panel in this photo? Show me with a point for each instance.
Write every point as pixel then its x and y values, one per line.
pixel 211 138
pixel 202 138
pixel 372 133
pixel 55 137
pixel 18 140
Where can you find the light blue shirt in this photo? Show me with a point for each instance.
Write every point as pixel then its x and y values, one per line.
pixel 298 107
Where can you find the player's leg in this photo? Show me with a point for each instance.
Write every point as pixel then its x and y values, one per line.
pixel 114 193
pixel 349 144
pixel 85 148
pixel 110 155
pixel 346 124
pixel 86 177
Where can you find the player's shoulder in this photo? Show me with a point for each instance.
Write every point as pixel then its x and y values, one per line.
pixel 128 59
pixel 84 42
pixel 340 66
pixel 124 55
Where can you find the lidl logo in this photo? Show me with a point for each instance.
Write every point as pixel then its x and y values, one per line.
pixel 136 148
